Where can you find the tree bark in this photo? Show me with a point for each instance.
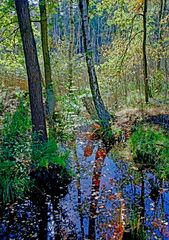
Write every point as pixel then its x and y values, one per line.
pixel 88 104
pixel 164 14
pixel 46 58
pixel 160 17
pixel 160 34
pixel 146 85
pixel 33 70
pixel 102 113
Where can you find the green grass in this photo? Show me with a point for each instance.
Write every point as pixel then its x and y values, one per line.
pixel 150 146
pixel 146 144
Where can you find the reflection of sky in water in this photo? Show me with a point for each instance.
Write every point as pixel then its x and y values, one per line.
pixel 115 179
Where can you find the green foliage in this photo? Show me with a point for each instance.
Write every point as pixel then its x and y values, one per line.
pixel 48 154
pixel 146 144
pixel 137 230
pixel 163 165
pixel 1 107
pixel 14 180
pixel 157 83
pixel 10 41
pixel 14 153
pixel 18 156
pixel 151 146
pixel 67 117
pixel 15 133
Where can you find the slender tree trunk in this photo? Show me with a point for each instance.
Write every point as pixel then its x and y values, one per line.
pixel 71 45
pixel 160 34
pixel 165 8
pixel 160 17
pixel 102 113
pixel 146 85
pixel 46 58
pixel 33 69
pixel 88 104
pixel 165 12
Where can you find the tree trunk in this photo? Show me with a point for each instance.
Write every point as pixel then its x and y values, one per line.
pixel 33 70
pixel 71 44
pixel 102 113
pixel 160 34
pixel 146 86
pixel 88 104
pixel 165 12
pixel 46 58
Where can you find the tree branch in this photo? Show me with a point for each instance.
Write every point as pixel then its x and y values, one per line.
pixel 130 38
pixel 127 47
pixel 4 39
pixel 36 21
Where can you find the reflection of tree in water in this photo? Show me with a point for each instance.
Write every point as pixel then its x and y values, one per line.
pixel 99 161
pixel 130 207
pixel 107 207
pixel 113 198
pixel 146 207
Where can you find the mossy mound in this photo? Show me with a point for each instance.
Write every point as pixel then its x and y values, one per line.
pixel 150 147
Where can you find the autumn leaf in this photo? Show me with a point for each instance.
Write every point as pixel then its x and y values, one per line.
pixel 111 197
pixel 96 126
pixel 96 182
pixel 138 5
pixel 101 153
pixel 118 232
pixel 88 151
pixel 155 224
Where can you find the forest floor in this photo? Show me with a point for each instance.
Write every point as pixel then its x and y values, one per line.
pixel 129 117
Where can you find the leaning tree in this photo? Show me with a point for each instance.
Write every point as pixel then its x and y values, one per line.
pixel 102 113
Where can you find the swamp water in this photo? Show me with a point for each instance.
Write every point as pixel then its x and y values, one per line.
pixel 125 200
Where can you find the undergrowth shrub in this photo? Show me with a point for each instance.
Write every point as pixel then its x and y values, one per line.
pixel 15 134
pixel 137 230
pixel 14 180
pixel 66 117
pixel 15 154
pixel 19 155
pixel 47 154
pixel 151 146
pixel 163 165
pixel 146 144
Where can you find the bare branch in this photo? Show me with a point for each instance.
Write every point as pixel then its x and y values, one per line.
pixel 4 39
pixel 36 21
pixel 131 38
pixel 127 47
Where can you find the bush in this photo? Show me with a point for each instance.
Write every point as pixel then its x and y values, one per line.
pixel 163 165
pixel 47 154
pixel 146 145
pixel 14 181
pixel 19 157
pixel 14 154
pixel 15 134
pixel 151 146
